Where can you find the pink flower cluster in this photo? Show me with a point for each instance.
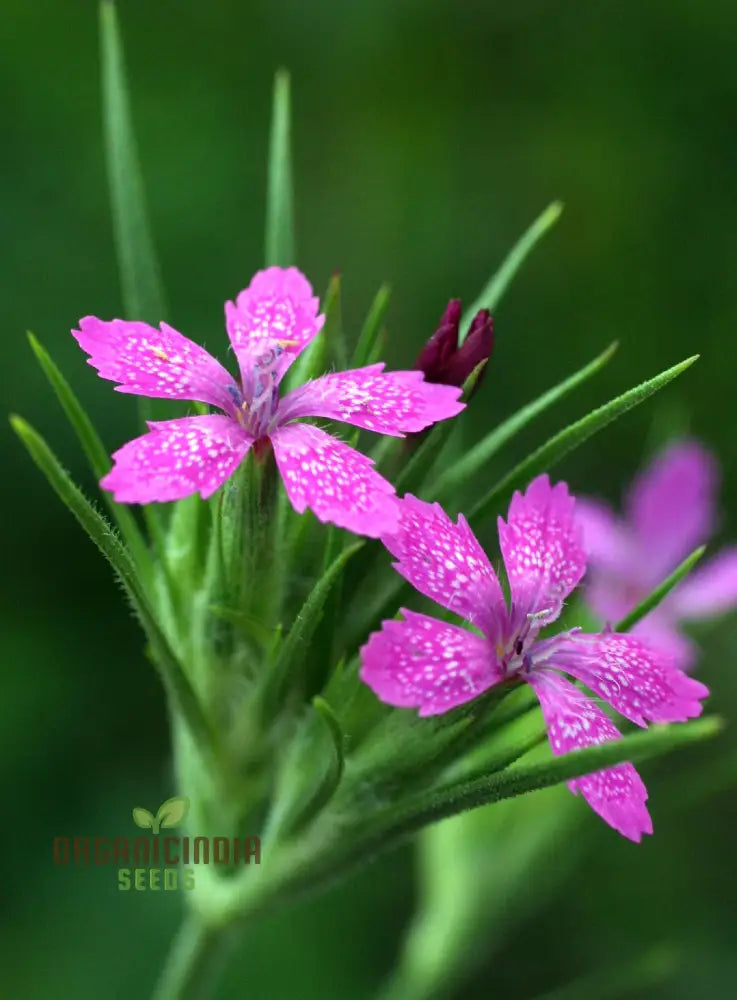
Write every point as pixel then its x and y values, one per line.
pixel 419 662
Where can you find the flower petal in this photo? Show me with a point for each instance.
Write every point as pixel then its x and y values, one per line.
pixel 393 403
pixel 276 312
pixel 445 562
pixel 150 362
pixel 542 550
pixel 427 664
pixel 671 506
pixel 573 721
pixel 660 631
pixel 608 543
pixel 639 681
pixel 336 482
pixel 710 590
pixel 177 458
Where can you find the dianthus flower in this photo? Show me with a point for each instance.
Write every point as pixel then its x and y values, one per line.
pixel 424 663
pixel 269 325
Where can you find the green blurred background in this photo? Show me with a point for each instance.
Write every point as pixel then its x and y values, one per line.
pixel 427 136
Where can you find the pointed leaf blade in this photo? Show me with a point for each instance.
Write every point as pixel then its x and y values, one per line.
pixel 661 591
pixel 102 533
pixel 474 459
pixel 94 449
pixel 279 248
pixel 140 275
pixel 364 352
pixel 571 437
pixel 497 285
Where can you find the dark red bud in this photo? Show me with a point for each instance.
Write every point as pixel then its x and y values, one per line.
pixel 443 361
pixel 475 348
pixel 443 344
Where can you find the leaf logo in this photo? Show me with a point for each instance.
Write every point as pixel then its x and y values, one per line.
pixel 170 813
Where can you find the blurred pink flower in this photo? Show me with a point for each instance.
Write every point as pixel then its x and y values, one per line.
pixel 269 325
pixel 669 511
pixel 421 662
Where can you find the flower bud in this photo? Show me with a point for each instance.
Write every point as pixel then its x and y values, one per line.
pixel 443 361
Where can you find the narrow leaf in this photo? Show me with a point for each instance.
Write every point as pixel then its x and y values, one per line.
pixel 661 591
pixel 140 276
pixel 279 248
pixel 414 472
pixel 291 652
pixel 346 848
pixel 571 437
pixel 640 976
pixel 101 532
pixel 371 330
pixel 474 460
pixel 332 332
pixel 520 779
pixel 497 285
pixel 95 451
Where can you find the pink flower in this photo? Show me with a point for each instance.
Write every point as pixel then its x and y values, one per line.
pixel 269 325
pixel 425 663
pixel 669 511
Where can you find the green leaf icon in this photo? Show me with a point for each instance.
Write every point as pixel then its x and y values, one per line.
pixel 171 813
pixel 143 818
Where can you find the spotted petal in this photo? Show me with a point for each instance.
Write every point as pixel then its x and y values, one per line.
pixel 336 482
pixel 150 362
pixel 444 562
pixel 277 312
pixel 671 506
pixel 542 549
pixel 177 458
pixel 427 664
pixel 395 403
pixel 659 630
pixel 573 721
pixel 637 680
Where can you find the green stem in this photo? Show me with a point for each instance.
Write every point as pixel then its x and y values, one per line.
pixel 194 962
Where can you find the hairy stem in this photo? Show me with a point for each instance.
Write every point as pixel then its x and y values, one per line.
pixel 195 961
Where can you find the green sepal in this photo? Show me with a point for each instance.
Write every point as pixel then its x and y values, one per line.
pixel 471 463
pixel 498 283
pixel 310 772
pixel 291 652
pixel 571 437
pixel 279 243
pixel 428 744
pixel 96 453
pixel 660 592
pixel 370 336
